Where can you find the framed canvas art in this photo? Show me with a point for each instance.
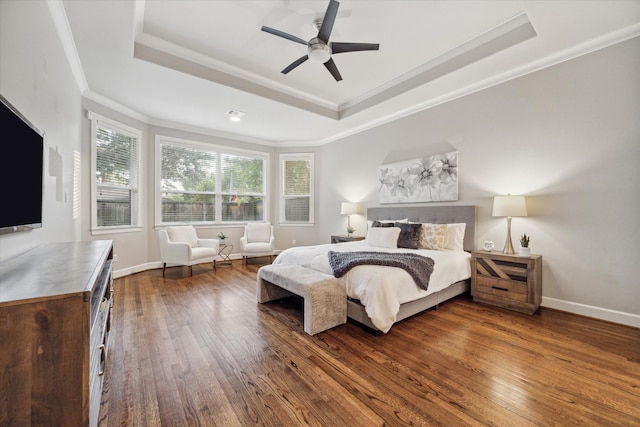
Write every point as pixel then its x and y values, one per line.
pixel 427 179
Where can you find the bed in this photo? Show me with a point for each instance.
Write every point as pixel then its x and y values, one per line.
pixel 379 296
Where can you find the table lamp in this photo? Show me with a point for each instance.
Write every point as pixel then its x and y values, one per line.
pixel 509 206
pixel 348 208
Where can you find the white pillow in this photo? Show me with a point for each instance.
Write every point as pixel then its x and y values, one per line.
pixel 383 237
pixel 454 236
pixel 370 222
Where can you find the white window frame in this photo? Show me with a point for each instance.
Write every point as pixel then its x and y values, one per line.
pixel 297 156
pixel 97 121
pixel 220 150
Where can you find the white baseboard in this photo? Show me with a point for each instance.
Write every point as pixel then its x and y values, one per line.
pixel 136 269
pixel 150 266
pixel 621 317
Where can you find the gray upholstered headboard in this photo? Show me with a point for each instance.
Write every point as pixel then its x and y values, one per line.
pixel 434 215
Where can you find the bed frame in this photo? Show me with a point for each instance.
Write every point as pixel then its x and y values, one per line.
pixel 427 214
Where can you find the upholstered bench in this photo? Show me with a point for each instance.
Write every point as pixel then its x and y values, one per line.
pixel 325 297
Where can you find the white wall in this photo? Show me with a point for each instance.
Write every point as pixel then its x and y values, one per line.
pixel 567 137
pixel 36 79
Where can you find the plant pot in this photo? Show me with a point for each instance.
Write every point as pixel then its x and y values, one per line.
pixel 524 251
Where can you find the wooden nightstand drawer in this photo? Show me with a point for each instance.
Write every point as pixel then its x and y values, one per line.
pixel 506 289
pixel 508 281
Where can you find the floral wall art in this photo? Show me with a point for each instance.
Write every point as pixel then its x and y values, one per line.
pixel 428 179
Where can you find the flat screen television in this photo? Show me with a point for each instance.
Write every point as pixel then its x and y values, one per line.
pixel 21 171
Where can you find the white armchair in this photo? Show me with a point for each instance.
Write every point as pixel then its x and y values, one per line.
pixel 180 245
pixel 258 241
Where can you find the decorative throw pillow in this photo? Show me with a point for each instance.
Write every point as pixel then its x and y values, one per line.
pixel 432 236
pixel 377 223
pixel 383 237
pixel 454 238
pixel 409 235
pixel 385 221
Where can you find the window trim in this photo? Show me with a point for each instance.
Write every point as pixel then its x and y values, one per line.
pixel 282 197
pixel 136 225
pixel 220 150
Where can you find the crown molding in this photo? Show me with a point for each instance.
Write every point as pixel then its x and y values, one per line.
pixel 61 23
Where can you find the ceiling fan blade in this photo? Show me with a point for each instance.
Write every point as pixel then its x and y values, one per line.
pixel 353 47
pixel 283 35
pixel 331 66
pixel 328 20
pixel 295 63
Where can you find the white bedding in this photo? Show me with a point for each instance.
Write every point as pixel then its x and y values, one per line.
pixel 381 289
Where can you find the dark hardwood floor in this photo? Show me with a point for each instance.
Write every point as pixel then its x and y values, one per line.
pixel 200 351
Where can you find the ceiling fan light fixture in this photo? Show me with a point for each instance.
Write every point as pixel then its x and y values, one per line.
pixel 318 51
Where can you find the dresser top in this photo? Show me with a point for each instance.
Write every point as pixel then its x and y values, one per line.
pixel 53 270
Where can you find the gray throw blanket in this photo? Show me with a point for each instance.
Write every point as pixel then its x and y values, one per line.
pixel 419 267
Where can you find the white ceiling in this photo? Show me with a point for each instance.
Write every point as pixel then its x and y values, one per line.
pixel 186 63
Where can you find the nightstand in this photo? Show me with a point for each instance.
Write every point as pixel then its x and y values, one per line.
pixel 345 238
pixel 508 281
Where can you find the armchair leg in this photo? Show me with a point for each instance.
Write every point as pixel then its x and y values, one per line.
pixel 164 266
pixel 191 270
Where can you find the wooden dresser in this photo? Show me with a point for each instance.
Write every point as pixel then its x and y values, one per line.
pixel 55 317
pixel 508 281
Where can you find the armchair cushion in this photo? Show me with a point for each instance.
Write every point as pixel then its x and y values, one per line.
pixel 258 232
pixel 184 234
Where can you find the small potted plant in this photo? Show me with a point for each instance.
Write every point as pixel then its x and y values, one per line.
pixel 525 250
pixel 350 231
pixel 222 237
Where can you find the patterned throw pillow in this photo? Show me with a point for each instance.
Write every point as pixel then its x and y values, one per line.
pixel 409 235
pixel 432 236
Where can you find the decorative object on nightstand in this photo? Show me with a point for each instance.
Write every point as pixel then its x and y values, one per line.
pixel 525 250
pixel 509 206
pixel 348 208
pixel 341 238
pixel 507 281
pixel 488 245
pixel 222 237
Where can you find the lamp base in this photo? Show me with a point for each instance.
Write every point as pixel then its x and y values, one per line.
pixel 508 246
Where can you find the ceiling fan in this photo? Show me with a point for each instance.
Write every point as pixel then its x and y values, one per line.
pixel 319 48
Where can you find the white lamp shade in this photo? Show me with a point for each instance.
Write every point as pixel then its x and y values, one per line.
pixel 348 208
pixel 509 206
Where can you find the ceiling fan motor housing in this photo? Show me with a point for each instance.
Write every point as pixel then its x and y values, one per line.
pixel 318 51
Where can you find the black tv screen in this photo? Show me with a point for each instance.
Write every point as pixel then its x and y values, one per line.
pixel 21 171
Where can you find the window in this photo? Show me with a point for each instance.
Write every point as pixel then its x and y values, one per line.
pixel 296 201
pixel 200 183
pixel 116 175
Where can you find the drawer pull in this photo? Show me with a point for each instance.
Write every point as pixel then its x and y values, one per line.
pixel 102 359
pixel 499 288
